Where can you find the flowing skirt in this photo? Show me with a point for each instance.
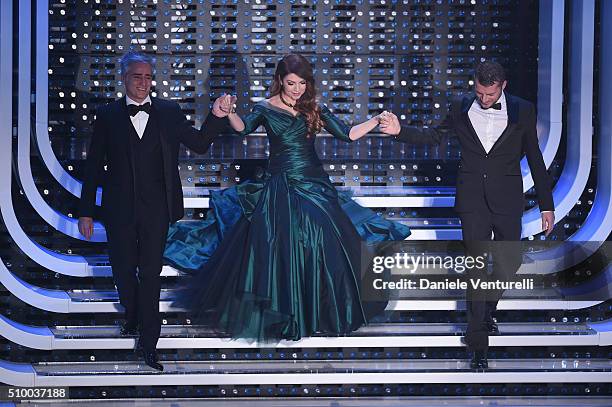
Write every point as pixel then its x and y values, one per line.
pixel 278 259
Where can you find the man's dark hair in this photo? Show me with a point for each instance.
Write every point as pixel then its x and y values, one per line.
pixel 489 72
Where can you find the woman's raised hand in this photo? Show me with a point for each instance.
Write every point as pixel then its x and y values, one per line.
pixel 224 105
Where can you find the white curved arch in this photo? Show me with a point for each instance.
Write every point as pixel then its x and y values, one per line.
pixel 58 221
pixel 61 263
pixel 17 374
pixel 575 173
pixel 66 180
pixel 550 83
pixel 49 300
pixel 35 337
pixel 598 223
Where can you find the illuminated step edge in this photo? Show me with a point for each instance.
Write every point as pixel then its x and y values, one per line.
pixel 140 375
pixel 366 201
pixel 375 335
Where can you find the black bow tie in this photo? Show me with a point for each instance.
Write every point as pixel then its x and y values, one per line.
pixel 134 109
pixel 496 106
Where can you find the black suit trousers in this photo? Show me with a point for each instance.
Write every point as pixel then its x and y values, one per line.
pixel 478 228
pixel 136 252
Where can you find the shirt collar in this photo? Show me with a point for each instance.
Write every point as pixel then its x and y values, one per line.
pixel 130 101
pixel 502 101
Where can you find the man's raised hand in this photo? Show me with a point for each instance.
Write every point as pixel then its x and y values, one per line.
pixel 389 123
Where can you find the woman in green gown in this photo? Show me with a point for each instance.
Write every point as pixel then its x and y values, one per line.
pixel 280 258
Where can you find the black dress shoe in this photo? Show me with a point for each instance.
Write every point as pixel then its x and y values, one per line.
pixel 128 329
pixel 152 360
pixel 479 361
pixel 492 327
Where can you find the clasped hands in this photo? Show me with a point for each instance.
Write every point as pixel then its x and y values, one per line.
pixel 224 105
pixel 388 123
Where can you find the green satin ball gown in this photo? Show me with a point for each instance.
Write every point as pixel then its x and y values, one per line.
pixel 280 258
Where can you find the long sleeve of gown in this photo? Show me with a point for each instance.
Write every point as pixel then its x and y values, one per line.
pixel 252 120
pixel 334 125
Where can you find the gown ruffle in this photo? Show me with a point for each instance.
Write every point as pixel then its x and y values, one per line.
pixel 279 258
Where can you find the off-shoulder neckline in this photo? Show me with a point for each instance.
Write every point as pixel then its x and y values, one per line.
pixel 277 109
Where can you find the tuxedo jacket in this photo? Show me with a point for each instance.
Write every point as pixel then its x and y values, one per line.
pixel 110 146
pixel 491 180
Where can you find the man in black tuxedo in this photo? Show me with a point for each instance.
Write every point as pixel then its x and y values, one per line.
pixel 495 130
pixel 137 138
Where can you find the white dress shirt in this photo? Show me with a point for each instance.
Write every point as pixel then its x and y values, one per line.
pixel 140 120
pixel 490 123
